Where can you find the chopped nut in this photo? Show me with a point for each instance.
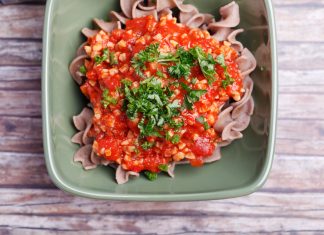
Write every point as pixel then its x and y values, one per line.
pixel 122 57
pixel 113 71
pixel 125 142
pixel 174 43
pixel 122 43
pixel 124 68
pixel 108 152
pixel 181 146
pixel 190 156
pixel 179 156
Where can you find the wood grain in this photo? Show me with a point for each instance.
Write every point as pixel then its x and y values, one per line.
pixel 291 202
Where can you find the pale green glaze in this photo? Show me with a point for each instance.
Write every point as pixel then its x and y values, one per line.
pixel 245 164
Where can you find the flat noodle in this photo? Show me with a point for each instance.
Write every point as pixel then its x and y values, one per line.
pixel 118 17
pixel 81 121
pixel 234 117
pixel 81 50
pixel 171 168
pixel 77 138
pixel 75 69
pixel 107 26
pixel 89 33
pixel 232 39
pixel 83 156
pixel 136 13
pixel 127 6
pixel 230 17
pixel 123 176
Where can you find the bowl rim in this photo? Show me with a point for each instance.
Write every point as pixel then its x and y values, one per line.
pixel 224 194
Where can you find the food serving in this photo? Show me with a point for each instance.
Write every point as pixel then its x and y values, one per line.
pixel 164 88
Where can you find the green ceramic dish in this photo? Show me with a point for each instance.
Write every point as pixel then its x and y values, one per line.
pixel 245 164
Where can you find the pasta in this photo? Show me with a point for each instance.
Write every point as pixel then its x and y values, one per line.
pixel 234 116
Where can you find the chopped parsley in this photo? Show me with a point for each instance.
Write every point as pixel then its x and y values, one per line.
pixel 183 61
pixel 106 54
pixel 164 167
pixel 151 102
pixel 100 59
pixel 83 69
pixel 202 121
pixel 194 81
pixel 151 175
pixel 228 79
pixel 149 54
pixel 147 145
pixel 106 99
pixel 112 58
pixel 206 63
pixel 126 82
pixel 159 73
pixel 175 139
pixel 192 96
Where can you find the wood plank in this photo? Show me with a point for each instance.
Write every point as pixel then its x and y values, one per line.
pixel 6 2
pixel 21 134
pixel 24 134
pixel 26 21
pixel 23 170
pixel 304 21
pixel 291 106
pixel 301 106
pixel 290 58
pixel 288 174
pixel 20 103
pixel 265 212
pixel 20 52
pixel 21 21
pixel 20 78
pixel 300 137
pixel 299 3
pixel 291 81
pixel 301 81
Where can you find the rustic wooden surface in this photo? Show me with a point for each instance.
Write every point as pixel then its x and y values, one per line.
pixel 291 202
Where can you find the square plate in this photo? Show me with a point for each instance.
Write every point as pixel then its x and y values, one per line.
pixel 245 164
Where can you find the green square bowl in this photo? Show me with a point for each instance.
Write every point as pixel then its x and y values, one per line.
pixel 245 164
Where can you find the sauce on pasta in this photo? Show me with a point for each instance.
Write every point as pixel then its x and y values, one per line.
pixel 157 88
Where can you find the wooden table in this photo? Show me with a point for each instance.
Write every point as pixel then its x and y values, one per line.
pixel 291 202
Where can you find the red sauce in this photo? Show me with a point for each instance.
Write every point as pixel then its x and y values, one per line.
pixel 116 136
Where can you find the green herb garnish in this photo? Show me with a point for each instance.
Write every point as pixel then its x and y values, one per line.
pixel 150 175
pixel 159 73
pixel 179 70
pixel 100 59
pixel 175 139
pixel 112 58
pixel 202 121
pixel 164 167
pixel 126 82
pixel 150 101
pixel 192 96
pixel 228 79
pixel 194 81
pixel 106 99
pixel 147 145
pixel 149 54
pixel 206 63
pixel 83 69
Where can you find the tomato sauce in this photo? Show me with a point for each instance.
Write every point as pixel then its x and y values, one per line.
pixel 116 135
